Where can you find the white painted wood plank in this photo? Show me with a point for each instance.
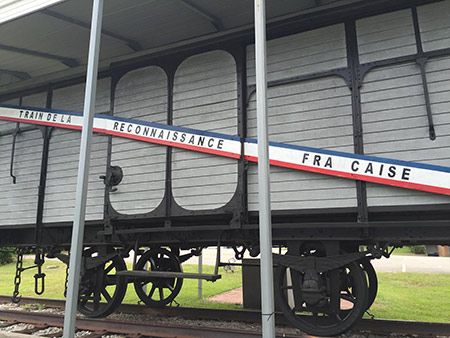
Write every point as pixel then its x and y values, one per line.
pixel 311 120
pixel 434 25
pixel 205 98
pixel 140 94
pixel 386 36
pixel 395 126
pixel 304 53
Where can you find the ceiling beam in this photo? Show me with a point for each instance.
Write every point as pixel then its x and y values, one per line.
pixel 69 62
pixel 134 45
pixel 19 75
pixel 215 21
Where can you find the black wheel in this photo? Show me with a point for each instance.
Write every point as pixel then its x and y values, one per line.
pixel 101 290
pixel 158 292
pixel 372 281
pixel 312 303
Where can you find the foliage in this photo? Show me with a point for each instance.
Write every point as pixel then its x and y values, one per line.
pixel 410 250
pixel 34 306
pixel 6 256
pixel 418 249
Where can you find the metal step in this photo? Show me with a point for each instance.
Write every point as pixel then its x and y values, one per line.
pixel 168 274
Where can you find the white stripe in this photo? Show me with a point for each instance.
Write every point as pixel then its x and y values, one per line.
pixel 397 174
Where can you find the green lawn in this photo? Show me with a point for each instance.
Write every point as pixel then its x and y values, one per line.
pixel 403 296
pixel 413 296
pixel 54 284
pixel 410 250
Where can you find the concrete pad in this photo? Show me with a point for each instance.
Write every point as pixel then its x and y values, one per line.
pixel 412 263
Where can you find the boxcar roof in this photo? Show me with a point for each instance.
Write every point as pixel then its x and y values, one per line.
pixel 52 44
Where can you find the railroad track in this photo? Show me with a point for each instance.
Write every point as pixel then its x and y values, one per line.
pixel 375 326
pixel 100 327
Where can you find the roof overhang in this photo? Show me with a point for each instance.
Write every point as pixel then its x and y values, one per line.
pixel 14 9
pixel 50 45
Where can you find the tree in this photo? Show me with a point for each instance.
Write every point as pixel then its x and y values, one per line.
pixel 6 256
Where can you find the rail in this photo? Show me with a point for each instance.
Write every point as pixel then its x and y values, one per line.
pixel 376 326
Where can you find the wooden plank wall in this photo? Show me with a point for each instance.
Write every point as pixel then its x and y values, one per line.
pixel 386 36
pixel 395 123
pixel 205 97
pixel 7 125
pixel 140 94
pixel 64 157
pixel 299 54
pixel 315 113
pixel 434 25
pixel 18 202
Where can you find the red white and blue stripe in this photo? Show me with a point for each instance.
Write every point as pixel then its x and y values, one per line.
pixel 403 174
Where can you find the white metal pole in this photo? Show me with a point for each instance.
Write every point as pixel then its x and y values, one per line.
pixel 265 224
pixel 76 248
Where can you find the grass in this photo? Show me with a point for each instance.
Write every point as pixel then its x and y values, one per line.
pixel 188 295
pixel 55 275
pixel 413 296
pixel 402 296
pixel 54 281
pixel 409 250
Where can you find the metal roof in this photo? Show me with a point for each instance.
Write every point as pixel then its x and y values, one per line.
pixel 52 43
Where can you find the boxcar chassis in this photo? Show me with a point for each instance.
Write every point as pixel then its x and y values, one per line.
pixel 325 262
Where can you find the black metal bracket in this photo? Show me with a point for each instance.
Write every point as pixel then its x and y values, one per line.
pixel 114 175
pixel 355 85
pixel 13 150
pixel 343 73
pixel 421 60
pixel 319 264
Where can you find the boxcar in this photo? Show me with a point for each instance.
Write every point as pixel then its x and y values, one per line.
pixel 367 81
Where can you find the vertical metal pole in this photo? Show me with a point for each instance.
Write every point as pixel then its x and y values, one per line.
pixel 265 224
pixel 200 270
pixel 83 172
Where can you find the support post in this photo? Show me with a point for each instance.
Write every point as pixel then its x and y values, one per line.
pixel 83 172
pixel 265 224
pixel 200 270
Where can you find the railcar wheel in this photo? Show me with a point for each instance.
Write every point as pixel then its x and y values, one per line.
pixel 372 281
pixel 158 292
pixel 101 290
pixel 313 309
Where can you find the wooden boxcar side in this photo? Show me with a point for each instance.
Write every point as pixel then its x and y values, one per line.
pixel 368 79
pixel 373 85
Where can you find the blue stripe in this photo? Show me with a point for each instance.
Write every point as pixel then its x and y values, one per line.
pixel 236 138
pixel 357 156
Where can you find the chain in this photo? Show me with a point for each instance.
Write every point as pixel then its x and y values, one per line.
pixel 17 279
pixel 40 276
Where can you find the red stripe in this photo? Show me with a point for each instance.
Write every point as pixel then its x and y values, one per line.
pixel 170 143
pixel 385 181
pixel 44 123
pixel 354 176
pixel 135 137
